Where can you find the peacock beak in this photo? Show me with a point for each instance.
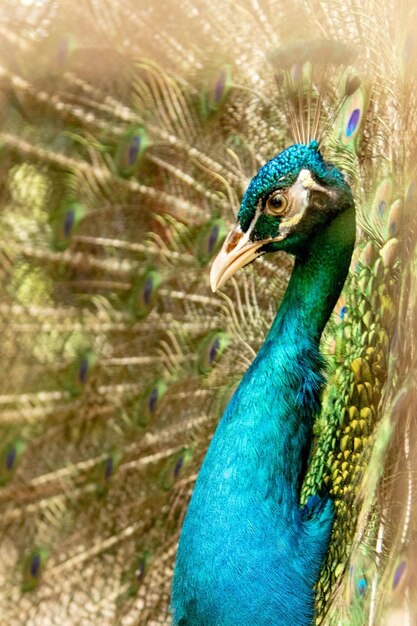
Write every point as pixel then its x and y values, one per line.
pixel 236 252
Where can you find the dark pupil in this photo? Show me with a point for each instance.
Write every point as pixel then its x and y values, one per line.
pixel 276 202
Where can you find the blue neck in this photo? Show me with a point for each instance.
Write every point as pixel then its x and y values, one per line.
pixel 247 555
pixel 289 366
pixel 316 282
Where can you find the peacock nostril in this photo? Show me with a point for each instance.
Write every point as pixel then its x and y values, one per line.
pixel 235 237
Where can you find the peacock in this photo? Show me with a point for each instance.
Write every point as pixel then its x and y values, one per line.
pixel 244 532
pixel 144 148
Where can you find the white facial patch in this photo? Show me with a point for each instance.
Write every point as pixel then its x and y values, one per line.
pixel 253 223
pixel 306 179
pixel 298 200
pixel 300 191
pixel 308 182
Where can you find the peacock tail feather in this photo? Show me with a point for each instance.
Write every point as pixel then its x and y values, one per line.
pixel 129 135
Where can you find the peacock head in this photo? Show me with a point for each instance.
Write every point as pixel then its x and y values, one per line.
pixel 287 203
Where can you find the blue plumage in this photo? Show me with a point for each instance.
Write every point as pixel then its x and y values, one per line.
pixel 248 554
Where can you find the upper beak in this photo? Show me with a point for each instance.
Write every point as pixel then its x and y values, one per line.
pixel 236 252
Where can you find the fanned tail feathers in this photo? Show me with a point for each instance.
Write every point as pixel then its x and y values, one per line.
pixel 128 137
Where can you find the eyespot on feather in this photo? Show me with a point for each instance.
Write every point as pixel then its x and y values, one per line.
pixel 130 151
pixel 216 90
pixel 33 566
pixel 175 468
pixel 351 118
pixel 65 224
pixel 210 240
pixel 79 372
pixel 143 294
pixel 10 457
pixel 210 350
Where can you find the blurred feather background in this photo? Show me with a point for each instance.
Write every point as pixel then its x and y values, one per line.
pixel 129 132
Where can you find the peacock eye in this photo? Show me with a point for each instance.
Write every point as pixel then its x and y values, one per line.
pixel 276 203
